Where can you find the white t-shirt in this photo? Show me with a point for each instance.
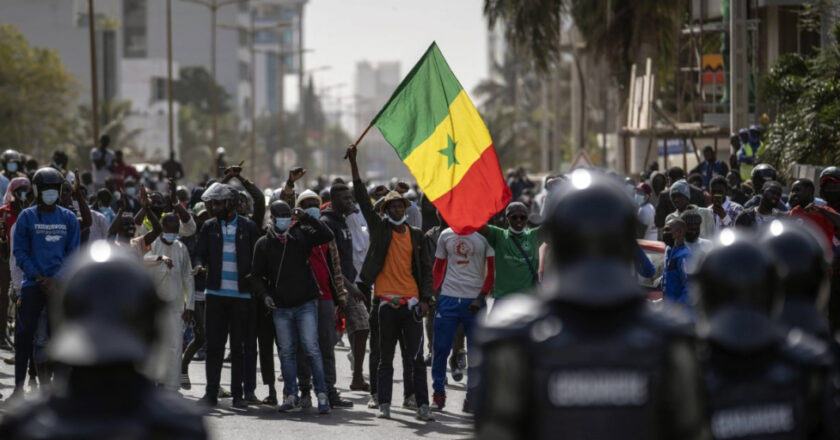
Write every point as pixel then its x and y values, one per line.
pixel 646 214
pixel 466 263
pixel 99 175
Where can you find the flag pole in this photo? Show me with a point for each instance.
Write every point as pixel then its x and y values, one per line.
pixel 362 136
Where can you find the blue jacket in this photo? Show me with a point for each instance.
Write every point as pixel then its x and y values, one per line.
pixel 708 170
pixel 43 240
pixel 674 278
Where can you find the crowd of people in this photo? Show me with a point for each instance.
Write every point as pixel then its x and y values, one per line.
pixel 243 271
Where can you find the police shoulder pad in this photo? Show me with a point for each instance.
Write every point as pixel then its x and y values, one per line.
pixel 670 320
pixel 514 311
pixel 804 349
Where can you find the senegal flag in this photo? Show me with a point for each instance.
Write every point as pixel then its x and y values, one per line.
pixel 438 133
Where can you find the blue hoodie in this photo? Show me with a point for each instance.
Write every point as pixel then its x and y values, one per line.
pixel 43 240
pixel 674 278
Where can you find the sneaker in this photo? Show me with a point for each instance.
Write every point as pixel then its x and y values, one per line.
pixel 467 408
pixel 410 402
pixel 323 404
pixel 425 414
pixel 208 401
pixel 305 401
pixel 290 403
pixel 252 398
pixel 438 401
pixel 224 394
pixel 384 411
pixel 373 403
pixel 270 400
pixel 337 402
pixel 185 381
pixel 240 403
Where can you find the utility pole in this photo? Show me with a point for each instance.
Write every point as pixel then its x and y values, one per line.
pixel 169 76
pixel 738 93
pixel 93 79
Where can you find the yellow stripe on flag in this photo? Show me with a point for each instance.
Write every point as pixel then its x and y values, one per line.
pixel 434 170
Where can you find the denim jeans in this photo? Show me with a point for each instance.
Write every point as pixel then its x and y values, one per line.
pixel 32 303
pixel 449 313
pixel 327 337
pixel 295 324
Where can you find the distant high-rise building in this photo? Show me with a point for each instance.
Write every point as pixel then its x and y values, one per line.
pixel 374 85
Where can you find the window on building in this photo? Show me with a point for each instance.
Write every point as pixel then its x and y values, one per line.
pixel 288 15
pixel 134 28
pixel 288 37
pixel 159 89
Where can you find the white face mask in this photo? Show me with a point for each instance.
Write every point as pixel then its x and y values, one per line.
pixel 640 199
pixel 515 231
pixel 397 222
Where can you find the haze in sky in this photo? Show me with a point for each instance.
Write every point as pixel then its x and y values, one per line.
pixel 344 32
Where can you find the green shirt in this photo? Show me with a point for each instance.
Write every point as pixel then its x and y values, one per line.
pixel 512 272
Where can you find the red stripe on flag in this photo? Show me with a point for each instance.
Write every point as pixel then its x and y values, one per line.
pixel 480 195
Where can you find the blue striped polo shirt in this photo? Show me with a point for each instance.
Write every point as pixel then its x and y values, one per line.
pixel 230 275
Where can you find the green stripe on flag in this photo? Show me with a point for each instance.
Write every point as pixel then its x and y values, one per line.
pixel 420 103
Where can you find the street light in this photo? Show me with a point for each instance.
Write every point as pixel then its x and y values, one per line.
pixel 252 32
pixel 213 6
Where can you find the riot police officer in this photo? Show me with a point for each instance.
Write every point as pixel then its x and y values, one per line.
pixel 802 263
pixel 761 381
pixel 102 337
pixel 587 356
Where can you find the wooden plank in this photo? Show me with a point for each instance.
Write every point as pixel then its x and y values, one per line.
pixel 631 96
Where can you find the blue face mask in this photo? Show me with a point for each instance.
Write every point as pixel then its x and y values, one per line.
pixel 282 223
pixel 49 196
pixel 11 167
pixel 169 237
pixel 314 212
pixel 640 199
pixel 130 190
pixel 397 222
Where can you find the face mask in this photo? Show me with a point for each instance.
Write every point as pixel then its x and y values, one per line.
pixel 640 199
pixel 397 222
pixel 169 237
pixel 11 167
pixel 49 196
pixel 516 231
pixel 668 239
pixel 282 223
pixel 314 212
pixel 691 237
pixel 130 190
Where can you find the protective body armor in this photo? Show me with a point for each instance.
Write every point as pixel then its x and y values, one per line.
pixel 770 386
pixel 624 372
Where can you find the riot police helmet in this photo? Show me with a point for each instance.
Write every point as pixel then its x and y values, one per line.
pixel 737 271
pixel 801 259
pixel 97 323
pixel 590 216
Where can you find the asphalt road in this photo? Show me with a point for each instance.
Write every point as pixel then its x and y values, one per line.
pixel 261 422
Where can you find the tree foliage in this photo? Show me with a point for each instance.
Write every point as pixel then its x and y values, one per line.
pixel 805 93
pixel 112 118
pixel 195 87
pixel 36 92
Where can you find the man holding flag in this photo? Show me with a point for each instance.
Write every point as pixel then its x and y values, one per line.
pixel 437 132
pixel 400 269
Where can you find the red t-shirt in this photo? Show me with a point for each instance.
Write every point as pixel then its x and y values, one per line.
pixel 819 220
pixel 8 216
pixel 318 262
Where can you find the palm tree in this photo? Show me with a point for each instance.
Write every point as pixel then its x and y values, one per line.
pixel 622 31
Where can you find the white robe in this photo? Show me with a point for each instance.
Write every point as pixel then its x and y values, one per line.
pixel 175 286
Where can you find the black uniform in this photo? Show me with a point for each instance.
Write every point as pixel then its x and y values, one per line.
pixel 102 337
pixel 586 357
pixel 762 380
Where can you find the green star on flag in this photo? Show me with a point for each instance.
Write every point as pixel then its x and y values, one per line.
pixel 449 152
